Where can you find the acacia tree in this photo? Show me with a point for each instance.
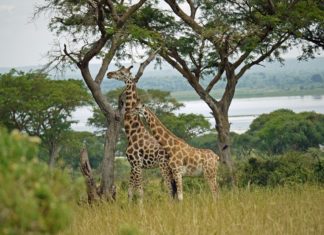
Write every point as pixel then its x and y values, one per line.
pixel 93 29
pixel 34 104
pixel 221 40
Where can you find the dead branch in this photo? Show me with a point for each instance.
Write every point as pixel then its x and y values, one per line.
pixel 92 189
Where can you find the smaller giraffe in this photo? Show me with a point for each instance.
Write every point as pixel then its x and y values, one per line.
pixel 143 151
pixel 184 159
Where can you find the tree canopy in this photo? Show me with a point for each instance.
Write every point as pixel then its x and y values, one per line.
pixel 283 130
pixel 39 106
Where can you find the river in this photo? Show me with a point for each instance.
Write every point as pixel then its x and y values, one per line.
pixel 241 113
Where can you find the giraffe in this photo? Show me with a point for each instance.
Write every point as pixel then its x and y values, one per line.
pixel 143 151
pixel 184 159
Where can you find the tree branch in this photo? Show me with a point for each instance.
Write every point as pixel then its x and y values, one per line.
pixel 181 66
pixel 100 18
pixel 193 9
pixel 131 10
pixel 70 56
pixel 94 87
pixel 215 79
pixel 115 43
pixel 85 167
pixel 114 15
pixel 94 50
pixel 187 19
pixel 263 56
pixel 145 64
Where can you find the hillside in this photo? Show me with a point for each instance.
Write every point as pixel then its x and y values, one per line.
pixel 270 79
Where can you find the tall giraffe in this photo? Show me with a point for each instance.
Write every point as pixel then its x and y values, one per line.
pixel 184 159
pixel 143 151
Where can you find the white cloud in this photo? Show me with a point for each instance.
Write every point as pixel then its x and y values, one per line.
pixel 6 8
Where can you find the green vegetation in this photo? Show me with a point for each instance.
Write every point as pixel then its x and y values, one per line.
pixel 283 130
pixel 290 168
pixel 33 200
pixel 37 105
pixel 282 210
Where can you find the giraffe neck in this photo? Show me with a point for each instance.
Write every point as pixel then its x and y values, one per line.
pixel 131 96
pixel 159 131
pixel 132 121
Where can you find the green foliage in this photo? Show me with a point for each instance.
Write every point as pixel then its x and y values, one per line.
pixel 205 141
pixel 289 168
pixel 122 169
pixel 70 153
pixel 33 103
pixel 283 130
pixel 33 199
pixel 186 126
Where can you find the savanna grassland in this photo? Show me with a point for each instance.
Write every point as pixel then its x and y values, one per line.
pixel 280 210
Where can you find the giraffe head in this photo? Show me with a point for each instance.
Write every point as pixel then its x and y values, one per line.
pixel 122 74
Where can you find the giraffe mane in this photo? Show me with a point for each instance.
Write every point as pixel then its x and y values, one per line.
pixel 162 125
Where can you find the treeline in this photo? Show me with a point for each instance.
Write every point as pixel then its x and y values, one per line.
pixel 292 75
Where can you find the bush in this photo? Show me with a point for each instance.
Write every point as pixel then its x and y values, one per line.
pixel 289 168
pixel 283 130
pixel 33 199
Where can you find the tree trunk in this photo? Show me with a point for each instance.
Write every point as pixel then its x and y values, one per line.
pixel 107 188
pixel 223 129
pixel 53 155
pixel 92 189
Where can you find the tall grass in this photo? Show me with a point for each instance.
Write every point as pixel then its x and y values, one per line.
pixel 282 210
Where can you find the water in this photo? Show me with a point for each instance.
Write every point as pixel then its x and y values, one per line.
pixel 241 113
pixel 81 115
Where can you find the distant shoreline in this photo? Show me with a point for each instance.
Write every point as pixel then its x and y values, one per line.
pixel 240 94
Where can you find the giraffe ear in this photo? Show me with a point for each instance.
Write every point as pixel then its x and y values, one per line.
pixel 130 67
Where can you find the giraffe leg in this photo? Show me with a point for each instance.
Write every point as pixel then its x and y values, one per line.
pixel 138 182
pixel 168 177
pixel 210 176
pixel 131 185
pixel 178 179
pixel 135 183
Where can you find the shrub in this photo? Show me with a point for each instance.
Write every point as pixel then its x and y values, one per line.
pixel 289 168
pixel 283 130
pixel 33 199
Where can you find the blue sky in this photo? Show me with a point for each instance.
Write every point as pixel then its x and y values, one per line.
pixel 24 42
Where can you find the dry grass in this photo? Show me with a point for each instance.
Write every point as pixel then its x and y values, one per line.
pixel 284 210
